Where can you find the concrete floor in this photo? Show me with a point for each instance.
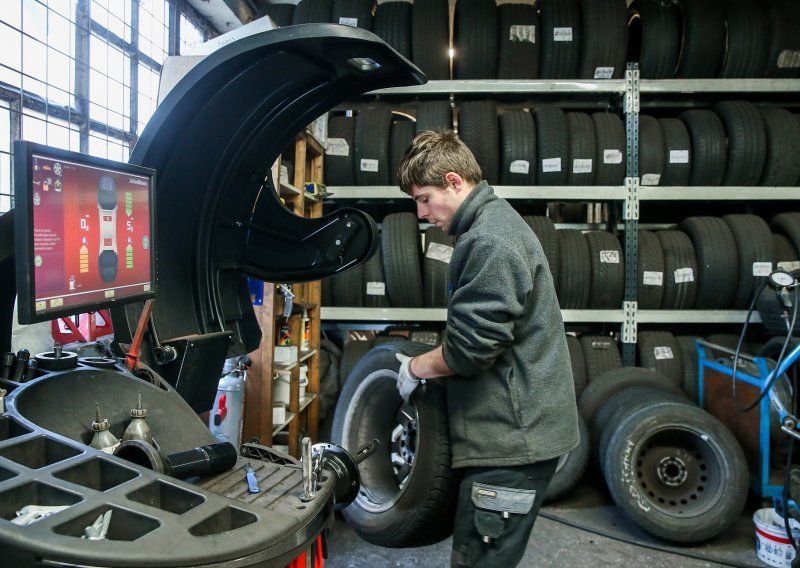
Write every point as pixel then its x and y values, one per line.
pixel 583 530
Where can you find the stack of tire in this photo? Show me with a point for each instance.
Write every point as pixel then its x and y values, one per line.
pixel 568 39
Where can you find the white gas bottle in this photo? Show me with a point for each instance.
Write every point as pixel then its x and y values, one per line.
pixel 225 419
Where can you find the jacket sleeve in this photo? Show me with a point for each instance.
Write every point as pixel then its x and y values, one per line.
pixel 491 292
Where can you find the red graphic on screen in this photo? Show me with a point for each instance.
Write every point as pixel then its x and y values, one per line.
pixel 91 237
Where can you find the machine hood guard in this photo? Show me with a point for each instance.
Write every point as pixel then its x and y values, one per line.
pixel 213 141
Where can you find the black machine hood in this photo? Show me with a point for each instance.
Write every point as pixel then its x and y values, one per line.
pixel 212 142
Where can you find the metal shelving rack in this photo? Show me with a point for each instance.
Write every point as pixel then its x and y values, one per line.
pixel 628 93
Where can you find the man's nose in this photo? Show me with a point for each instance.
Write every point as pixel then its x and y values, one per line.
pixel 422 211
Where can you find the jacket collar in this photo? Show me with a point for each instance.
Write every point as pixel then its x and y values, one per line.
pixel 469 209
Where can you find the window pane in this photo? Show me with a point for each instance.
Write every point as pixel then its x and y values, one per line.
pixel 60 34
pixel 11 53
pixel 34 54
pixel 153 28
pixel 190 34
pixel 34 19
pixel 148 95
pixel 106 147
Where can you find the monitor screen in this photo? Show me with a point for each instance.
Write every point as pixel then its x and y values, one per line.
pixel 84 236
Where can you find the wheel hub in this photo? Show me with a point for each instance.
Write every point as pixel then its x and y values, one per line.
pixel 672 471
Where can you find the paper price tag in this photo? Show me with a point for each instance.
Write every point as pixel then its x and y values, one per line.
pixel 337 147
pixel 376 288
pixel 684 275
pixel 789 59
pixel 609 256
pixel 650 179
pixel 551 165
pixel 679 156
pixel 652 278
pixel 789 265
pixel 438 251
pixel 601 344
pixel 612 156
pixel 368 165
pixel 349 22
pixel 762 268
pixel 603 72
pixel 562 34
pixel 663 352
pixel 582 166
pixel 519 167
pixel 522 33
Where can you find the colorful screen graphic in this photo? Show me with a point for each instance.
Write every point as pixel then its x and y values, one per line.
pixel 91 235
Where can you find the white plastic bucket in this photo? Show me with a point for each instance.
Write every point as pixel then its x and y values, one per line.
pixel 280 392
pixel 772 546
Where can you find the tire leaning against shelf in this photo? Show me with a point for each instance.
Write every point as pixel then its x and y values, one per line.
pixel 680 500
pixel 339 168
pixel 519 41
pixel 545 232
pixel 475 40
pixel 754 244
pixel 373 287
pixel 577 363
pixel 349 12
pixel 709 146
pixel 781 166
pixel 601 354
pixel 400 137
pixel 689 361
pixel 703 45
pixel 580 163
pixel 434 115
pixel 408 488
pixel 352 353
pixel 657 26
pixel 607 270
pixel 615 379
pixel 346 287
pixel 788 224
pixel 312 11
pixel 680 270
pixel 677 152
pixel 651 150
pixel 574 273
pixel 650 268
pixel 784 21
pixel 784 251
pixel 571 466
pixel 430 38
pixel 436 272
pixel 478 129
pixel 401 260
pixel 611 159
pixel 717 261
pixel 747 39
pixel 552 145
pixel 392 24
pixel 281 14
pixel 518 148
pixel 658 351
pixel 604 39
pixel 560 21
pixel 371 155
pixel 747 142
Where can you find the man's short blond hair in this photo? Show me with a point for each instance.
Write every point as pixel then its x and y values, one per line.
pixel 431 155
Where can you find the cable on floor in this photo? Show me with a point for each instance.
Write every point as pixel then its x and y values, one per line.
pixel 657 547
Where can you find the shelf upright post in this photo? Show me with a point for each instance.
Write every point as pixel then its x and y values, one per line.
pixel 631 214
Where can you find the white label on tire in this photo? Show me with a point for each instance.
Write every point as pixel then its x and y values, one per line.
pixel 519 167
pixel 349 22
pixel 368 165
pixel 562 34
pixel 582 166
pixel 522 33
pixel 601 344
pixel 603 72
pixel 653 278
pixel 789 265
pixel 337 147
pixel 609 256
pixel 789 59
pixel 376 288
pixel 651 179
pixel 612 156
pixel 663 352
pixel 438 251
pixel 679 156
pixel 762 268
pixel 684 275
pixel 551 165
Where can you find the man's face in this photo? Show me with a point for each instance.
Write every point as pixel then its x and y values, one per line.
pixel 436 205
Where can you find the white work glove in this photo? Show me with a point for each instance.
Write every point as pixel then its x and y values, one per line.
pixel 407 382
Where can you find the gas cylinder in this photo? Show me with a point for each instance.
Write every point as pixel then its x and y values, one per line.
pixel 225 419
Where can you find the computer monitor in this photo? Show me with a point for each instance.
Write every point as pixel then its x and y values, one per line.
pixel 84 232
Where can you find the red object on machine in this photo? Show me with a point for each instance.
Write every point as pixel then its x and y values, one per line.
pixel 317 559
pixel 132 356
pixel 82 327
pixel 222 411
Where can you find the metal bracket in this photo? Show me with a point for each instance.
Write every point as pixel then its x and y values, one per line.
pixel 631 206
pixel 629 322
pixel 632 88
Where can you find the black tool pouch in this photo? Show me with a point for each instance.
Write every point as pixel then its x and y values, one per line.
pixel 493 505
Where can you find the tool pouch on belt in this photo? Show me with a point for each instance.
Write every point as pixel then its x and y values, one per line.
pixel 495 504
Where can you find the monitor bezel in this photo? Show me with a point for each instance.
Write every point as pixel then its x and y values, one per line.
pixel 23 222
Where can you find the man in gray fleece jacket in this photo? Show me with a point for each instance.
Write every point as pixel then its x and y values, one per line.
pixel 510 395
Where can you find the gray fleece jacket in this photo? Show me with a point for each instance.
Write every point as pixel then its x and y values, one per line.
pixel 513 399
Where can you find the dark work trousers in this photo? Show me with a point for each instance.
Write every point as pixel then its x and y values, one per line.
pixel 496 509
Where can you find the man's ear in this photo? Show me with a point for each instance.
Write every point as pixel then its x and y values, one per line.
pixel 455 180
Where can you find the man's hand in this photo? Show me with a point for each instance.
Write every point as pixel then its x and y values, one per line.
pixel 407 382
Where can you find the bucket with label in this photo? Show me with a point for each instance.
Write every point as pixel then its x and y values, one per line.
pixel 772 545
